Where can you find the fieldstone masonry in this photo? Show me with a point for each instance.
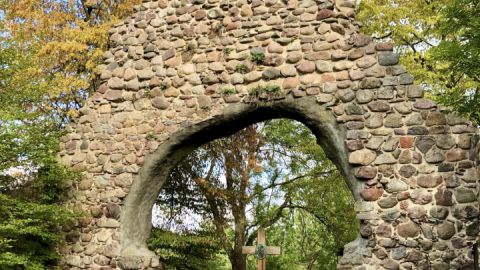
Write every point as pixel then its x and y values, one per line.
pixel 180 73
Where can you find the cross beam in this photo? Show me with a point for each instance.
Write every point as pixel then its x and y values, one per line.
pixel 261 250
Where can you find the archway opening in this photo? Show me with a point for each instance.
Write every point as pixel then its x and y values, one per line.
pixel 270 175
pixel 137 215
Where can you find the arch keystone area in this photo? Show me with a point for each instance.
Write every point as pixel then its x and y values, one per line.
pixel 181 73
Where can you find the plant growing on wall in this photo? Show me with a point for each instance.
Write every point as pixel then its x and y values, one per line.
pixel 258 57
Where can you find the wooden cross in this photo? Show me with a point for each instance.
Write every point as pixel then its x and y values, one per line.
pixel 261 250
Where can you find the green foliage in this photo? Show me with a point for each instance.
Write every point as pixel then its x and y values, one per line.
pixel 187 251
pixel 227 90
pixel 241 68
pixel 458 55
pixel 227 51
pixel 311 231
pixel 190 46
pixel 293 190
pixel 265 93
pixel 29 233
pixel 218 28
pixel 258 57
pixel 439 43
pixel 264 89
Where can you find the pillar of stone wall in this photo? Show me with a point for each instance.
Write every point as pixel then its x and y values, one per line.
pixel 174 64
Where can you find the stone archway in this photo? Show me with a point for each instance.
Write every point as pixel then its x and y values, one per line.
pixel 158 165
pixel 178 69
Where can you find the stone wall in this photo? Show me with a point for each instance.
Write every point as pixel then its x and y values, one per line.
pixel 179 73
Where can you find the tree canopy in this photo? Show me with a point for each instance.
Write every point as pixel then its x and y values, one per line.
pixel 48 54
pixel 440 44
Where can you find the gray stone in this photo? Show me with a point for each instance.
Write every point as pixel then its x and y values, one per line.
pixel 73 260
pixel 374 121
pixel 370 83
pixel 424 143
pixel 393 121
pixel 271 73
pixel 421 196
pixel 396 185
pixel 445 141
pixel 323 66
pixel 385 158
pixel 399 253
pixel 405 79
pixel 388 202
pixel 364 96
pixel 439 212
pixel 446 230
pixel 388 58
pixel 346 95
pixel 464 195
pixel 435 155
pixel 353 109
pixel 379 106
pixel 390 214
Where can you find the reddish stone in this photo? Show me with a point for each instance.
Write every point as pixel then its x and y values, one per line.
pixel 102 88
pixel 361 40
pixel 407 141
pixel 85 184
pixel 414 256
pixel 384 230
pixel 155 82
pixel 211 89
pixel 328 77
pixel 402 196
pixel 408 229
pixel 380 253
pixel 407 171
pixel 200 15
pixel 324 14
pixel 354 145
pixel 429 181
pixel 314 56
pixel 371 194
pixel 342 76
pixel 112 210
pixel 366 172
pixel 366 230
pixel 459 243
pixel 85 221
pixel 456 155
pixel 384 46
pixel 113 95
pixel 444 197
pixel 290 82
pixel 306 67
pixel 273 60
pixel 171 19
pixel 416 212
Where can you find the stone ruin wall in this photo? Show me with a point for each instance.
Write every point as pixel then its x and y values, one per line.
pixel 174 64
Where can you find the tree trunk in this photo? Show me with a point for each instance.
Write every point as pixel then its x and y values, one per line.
pixel 238 260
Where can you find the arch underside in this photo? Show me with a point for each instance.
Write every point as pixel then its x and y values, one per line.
pixel 136 217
